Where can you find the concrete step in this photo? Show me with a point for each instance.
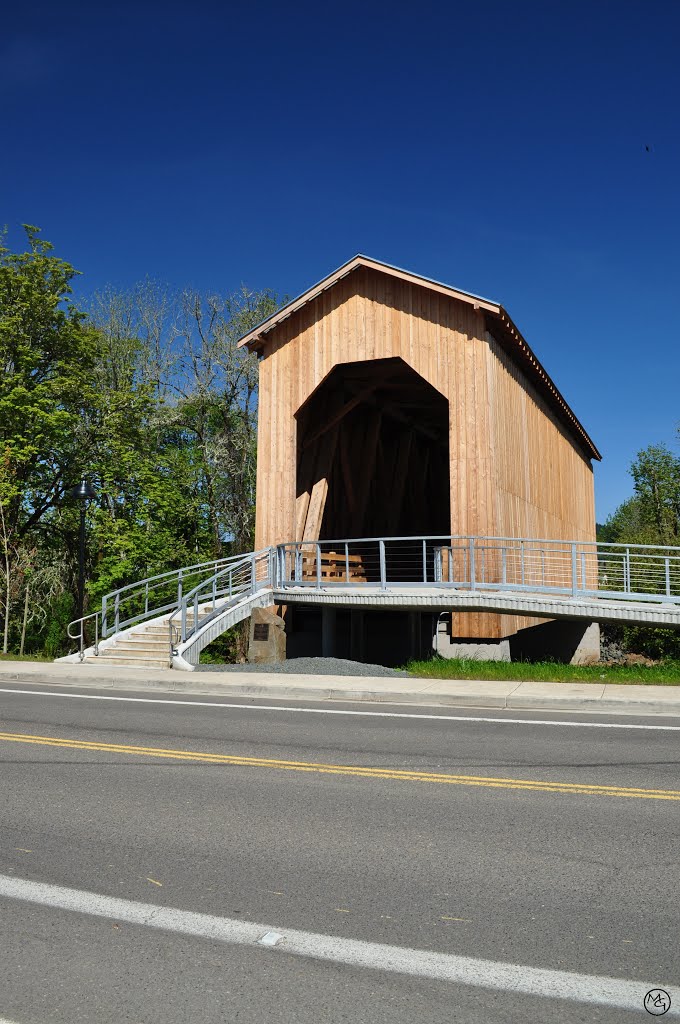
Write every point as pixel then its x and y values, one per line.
pixel 152 654
pixel 129 660
pixel 154 639
pixel 164 628
pixel 140 649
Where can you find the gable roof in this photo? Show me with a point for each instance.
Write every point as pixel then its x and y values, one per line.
pixel 498 323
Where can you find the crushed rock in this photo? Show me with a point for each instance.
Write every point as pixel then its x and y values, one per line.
pixel 311 666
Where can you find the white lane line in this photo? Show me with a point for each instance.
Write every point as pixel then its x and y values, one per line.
pixel 462 970
pixel 337 711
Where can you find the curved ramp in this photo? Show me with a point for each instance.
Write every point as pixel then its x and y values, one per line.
pixel 187 654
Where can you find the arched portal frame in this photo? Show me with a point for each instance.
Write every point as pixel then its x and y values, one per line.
pixel 373 454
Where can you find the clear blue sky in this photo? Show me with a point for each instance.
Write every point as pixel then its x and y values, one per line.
pixel 500 147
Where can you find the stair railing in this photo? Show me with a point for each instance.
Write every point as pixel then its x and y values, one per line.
pixel 227 586
pixel 141 600
pixel 151 597
pixel 80 635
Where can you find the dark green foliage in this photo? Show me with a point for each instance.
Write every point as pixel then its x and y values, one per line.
pixel 227 649
pixel 50 639
pixel 650 516
pixel 146 394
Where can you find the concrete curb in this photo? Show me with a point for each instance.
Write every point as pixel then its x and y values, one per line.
pixel 610 698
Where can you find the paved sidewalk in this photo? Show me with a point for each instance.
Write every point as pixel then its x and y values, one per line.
pixel 603 697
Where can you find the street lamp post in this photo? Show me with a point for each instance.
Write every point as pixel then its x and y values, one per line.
pixel 83 492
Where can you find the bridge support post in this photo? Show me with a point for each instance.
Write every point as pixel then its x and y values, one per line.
pixel 571 642
pixel 328 624
pixel 357 640
pixel 414 638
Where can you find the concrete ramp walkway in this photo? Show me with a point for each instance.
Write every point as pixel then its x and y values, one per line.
pixel 508 602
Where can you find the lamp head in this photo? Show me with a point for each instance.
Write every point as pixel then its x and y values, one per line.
pixel 83 490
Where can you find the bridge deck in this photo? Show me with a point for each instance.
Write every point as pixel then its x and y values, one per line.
pixel 549 579
pixel 433 598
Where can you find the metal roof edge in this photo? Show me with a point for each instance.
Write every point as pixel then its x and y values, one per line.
pixel 360 259
pixel 548 383
pixel 494 308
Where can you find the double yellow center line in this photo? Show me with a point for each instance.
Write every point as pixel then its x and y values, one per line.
pixel 393 774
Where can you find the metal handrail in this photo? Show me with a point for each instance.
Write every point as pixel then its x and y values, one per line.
pixel 81 634
pixel 576 568
pixel 212 590
pixel 143 588
pixel 479 537
pixel 551 566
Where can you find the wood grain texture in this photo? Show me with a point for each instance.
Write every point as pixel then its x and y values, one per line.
pixel 515 468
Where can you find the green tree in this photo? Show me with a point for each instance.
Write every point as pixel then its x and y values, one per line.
pixel 656 473
pixel 146 394
pixel 182 349
pixel 46 354
pixel 650 516
pixel 217 404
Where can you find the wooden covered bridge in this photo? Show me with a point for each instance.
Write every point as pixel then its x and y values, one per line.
pixel 421 484
pixel 395 406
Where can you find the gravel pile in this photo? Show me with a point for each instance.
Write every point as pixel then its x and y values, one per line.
pixel 311 666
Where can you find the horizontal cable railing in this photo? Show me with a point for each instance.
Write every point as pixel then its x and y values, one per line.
pixel 637 572
pixel 194 594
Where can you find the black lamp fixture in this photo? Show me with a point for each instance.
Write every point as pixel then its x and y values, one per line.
pixel 82 492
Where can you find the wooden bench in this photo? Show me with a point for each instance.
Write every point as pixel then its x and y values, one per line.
pixel 334 567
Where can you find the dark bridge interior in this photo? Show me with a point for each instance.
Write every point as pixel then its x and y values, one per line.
pixel 373 455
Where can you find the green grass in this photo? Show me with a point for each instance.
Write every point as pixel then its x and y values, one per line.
pixel 25 657
pixel 666 673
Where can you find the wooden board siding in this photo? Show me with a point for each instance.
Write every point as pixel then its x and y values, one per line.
pixel 544 485
pixel 514 471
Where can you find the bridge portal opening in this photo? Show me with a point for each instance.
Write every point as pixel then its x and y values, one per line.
pixel 373 455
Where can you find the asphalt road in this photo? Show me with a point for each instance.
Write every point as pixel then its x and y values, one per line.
pixel 339 825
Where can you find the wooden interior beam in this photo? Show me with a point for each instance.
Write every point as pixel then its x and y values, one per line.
pixel 396 414
pixel 305 479
pixel 396 496
pixel 317 498
pixel 340 414
pixel 345 461
pixel 370 449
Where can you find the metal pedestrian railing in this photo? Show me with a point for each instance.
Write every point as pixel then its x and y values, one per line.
pixel 81 636
pixel 213 596
pixel 196 594
pixel 142 600
pixel 151 597
pixel 577 568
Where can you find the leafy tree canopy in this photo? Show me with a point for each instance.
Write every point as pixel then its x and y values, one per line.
pixel 650 516
pixel 145 393
pixel 47 352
